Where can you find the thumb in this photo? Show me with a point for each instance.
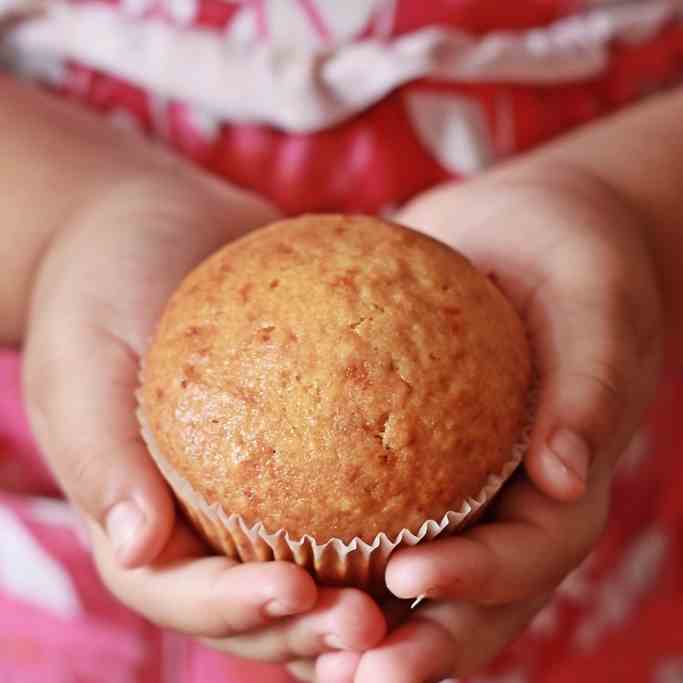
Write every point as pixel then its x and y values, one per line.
pixel 598 352
pixel 80 397
pixel 577 267
pixel 98 294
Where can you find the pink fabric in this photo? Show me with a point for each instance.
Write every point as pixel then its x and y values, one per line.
pixel 24 471
pixel 626 599
pixel 380 159
pixel 616 618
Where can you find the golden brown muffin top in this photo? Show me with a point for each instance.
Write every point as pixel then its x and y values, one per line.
pixel 337 376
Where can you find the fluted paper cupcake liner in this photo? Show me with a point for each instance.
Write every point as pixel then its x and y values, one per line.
pixel 356 563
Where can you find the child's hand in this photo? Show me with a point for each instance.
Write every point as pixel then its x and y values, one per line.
pixel 573 260
pixel 100 288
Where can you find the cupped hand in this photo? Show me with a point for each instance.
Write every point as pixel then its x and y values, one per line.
pixel 572 258
pixel 100 288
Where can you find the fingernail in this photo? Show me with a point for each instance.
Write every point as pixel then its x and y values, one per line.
pixel 123 524
pixel 572 451
pixel 332 640
pixel 275 608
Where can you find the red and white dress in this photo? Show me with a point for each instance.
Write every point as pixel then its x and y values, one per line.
pixel 355 106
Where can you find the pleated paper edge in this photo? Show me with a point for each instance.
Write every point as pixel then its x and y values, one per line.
pixel 354 563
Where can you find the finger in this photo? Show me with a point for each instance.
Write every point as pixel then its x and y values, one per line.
pixel 340 667
pixel 302 670
pixel 446 639
pixel 417 652
pixel 81 403
pixel 337 667
pixel 343 618
pixel 598 347
pixel 206 596
pixel 534 542
pixel 597 380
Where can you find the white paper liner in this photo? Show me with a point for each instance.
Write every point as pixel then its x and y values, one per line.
pixel 335 562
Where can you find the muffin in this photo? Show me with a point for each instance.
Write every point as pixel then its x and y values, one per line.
pixel 329 387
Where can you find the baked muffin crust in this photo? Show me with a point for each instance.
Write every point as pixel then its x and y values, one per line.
pixel 337 376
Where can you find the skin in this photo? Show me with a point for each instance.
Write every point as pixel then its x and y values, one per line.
pixel 590 260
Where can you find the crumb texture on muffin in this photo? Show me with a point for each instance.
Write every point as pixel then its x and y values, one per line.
pixel 337 376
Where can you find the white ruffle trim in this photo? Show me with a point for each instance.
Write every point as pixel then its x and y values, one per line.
pixel 306 89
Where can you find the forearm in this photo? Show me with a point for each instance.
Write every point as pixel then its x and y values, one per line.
pixel 640 154
pixel 54 158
